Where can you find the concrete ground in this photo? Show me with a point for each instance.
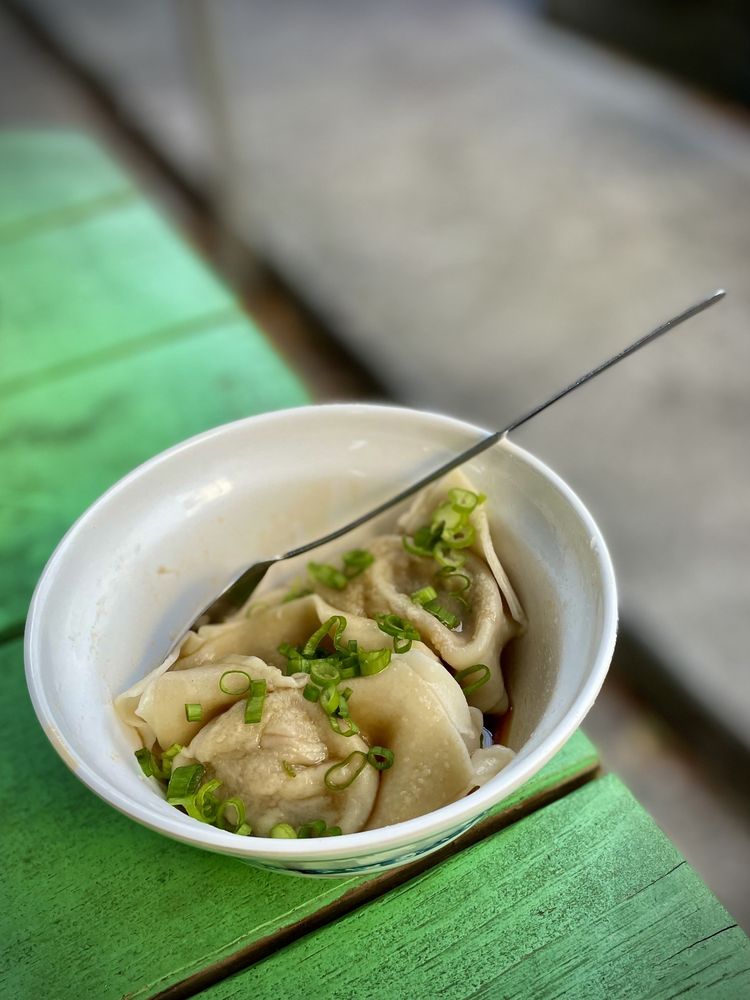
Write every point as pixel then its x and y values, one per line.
pixel 640 416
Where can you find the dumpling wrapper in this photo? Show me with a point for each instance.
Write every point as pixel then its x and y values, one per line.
pixel 417 710
pixel 386 587
pixel 156 706
pixel 421 512
pixel 249 761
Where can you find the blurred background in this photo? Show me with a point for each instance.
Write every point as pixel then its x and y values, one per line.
pixel 462 206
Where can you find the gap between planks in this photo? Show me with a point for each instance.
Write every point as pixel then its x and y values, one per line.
pixel 68 215
pixel 371 890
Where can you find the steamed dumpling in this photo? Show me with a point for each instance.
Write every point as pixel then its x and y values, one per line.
pixel 249 761
pixel 421 511
pixel 159 713
pixel 485 627
pixel 417 710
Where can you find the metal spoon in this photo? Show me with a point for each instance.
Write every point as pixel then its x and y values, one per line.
pixel 235 595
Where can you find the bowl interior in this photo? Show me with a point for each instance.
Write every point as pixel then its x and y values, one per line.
pixel 168 537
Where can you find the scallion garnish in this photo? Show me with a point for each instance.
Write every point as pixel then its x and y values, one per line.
pixel 146 759
pixel 465 500
pixel 283 831
pixel 459 538
pixel 236 688
pixel 424 541
pixel 294 593
pixel 329 576
pixel 356 562
pixel 221 815
pixel 448 530
pixel 341 775
pixel 254 706
pixel 403 632
pixel 206 802
pixel 380 757
pixel 244 830
pixel 335 624
pixel 372 661
pixel 484 676
pixel 330 699
pixel 424 595
pixel 193 712
pixel 443 615
pixel 289 768
pixel 332 831
pixel 446 518
pixel 184 783
pixel 349 728
pixel 311 692
pixel 449 558
pixel 324 672
pixel 316 828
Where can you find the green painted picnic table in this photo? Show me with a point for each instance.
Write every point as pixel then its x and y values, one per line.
pixel 116 342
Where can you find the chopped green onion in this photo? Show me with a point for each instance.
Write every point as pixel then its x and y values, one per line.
pixel 337 623
pixel 206 802
pixel 221 820
pixel 465 500
pixel 443 615
pixel 295 592
pixel 403 632
pixel 184 782
pixel 450 573
pixel 311 692
pixel 330 699
pixel 461 676
pixel 424 595
pixel 356 562
pixel 254 706
pixel 329 576
pixel 193 712
pixel 244 830
pixel 289 768
pixel 380 758
pixel 336 781
pixel 332 831
pixel 372 661
pixel 314 829
pixel 446 518
pixel 350 726
pixel 282 831
pixel 449 557
pixel 236 673
pixel 459 538
pixel 146 759
pixel 424 541
pixel 166 761
pixel 324 672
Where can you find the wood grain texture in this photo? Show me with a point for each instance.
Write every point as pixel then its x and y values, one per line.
pixel 79 290
pixel 98 907
pixel 66 440
pixel 585 898
pixel 48 176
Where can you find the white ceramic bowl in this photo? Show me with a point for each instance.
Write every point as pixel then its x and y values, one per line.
pixel 169 535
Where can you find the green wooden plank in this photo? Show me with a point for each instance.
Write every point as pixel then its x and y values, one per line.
pixel 83 289
pixel 47 174
pixel 585 898
pixel 96 906
pixel 64 442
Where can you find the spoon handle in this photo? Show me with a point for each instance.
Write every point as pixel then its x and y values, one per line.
pixel 493 438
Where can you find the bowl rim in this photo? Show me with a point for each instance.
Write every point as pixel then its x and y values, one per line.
pixel 460 814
